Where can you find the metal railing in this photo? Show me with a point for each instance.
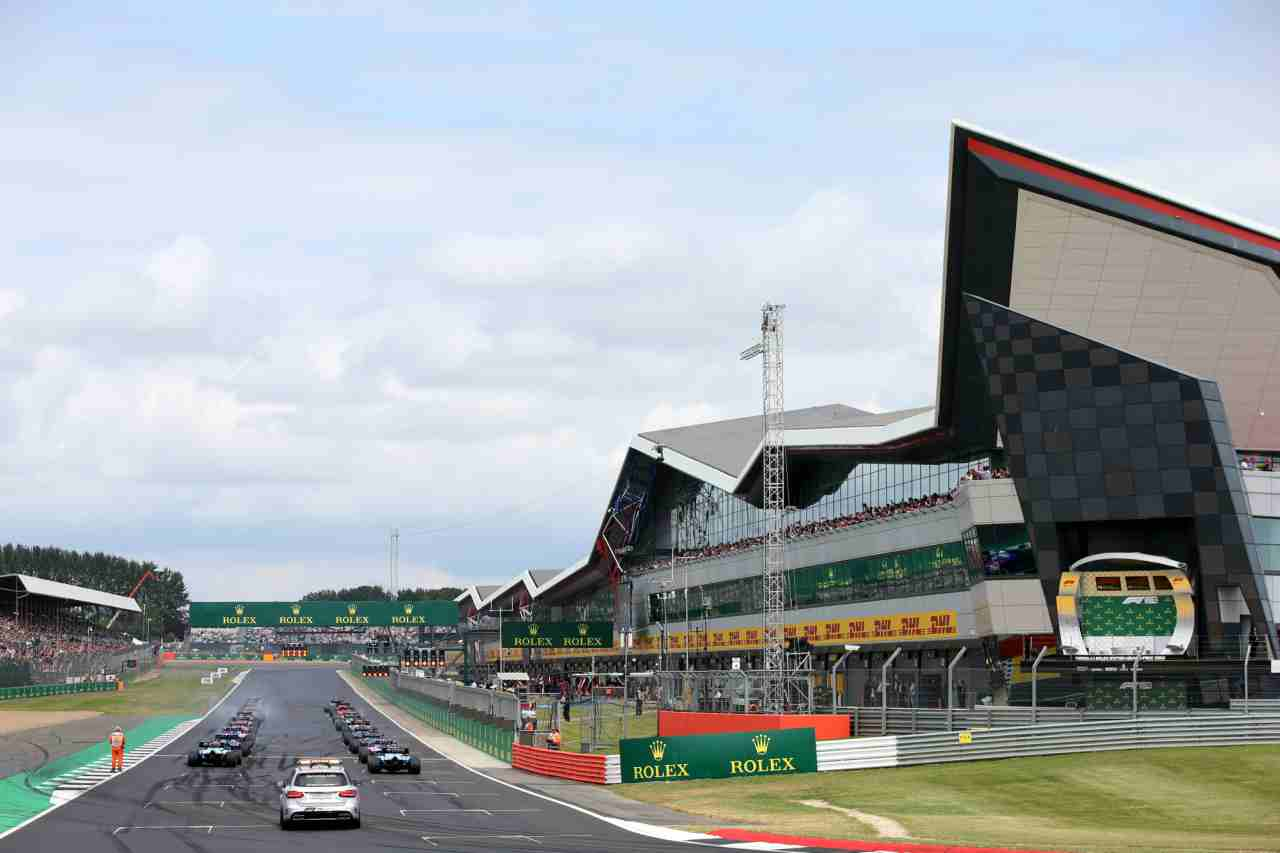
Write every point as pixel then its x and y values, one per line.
pixel 1217 729
pixel 497 704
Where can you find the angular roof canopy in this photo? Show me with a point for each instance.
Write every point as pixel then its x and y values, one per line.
pixel 67 592
pixel 825 442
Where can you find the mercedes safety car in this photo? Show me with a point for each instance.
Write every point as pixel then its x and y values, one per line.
pixel 319 789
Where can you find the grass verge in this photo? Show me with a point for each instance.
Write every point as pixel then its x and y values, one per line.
pixel 610 727
pixel 172 691
pixel 1167 800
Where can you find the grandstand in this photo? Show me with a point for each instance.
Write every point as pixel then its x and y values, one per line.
pixel 1107 365
pixel 50 631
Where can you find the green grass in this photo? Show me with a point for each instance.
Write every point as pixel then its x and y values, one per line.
pixel 172 691
pixel 1140 801
pixel 578 729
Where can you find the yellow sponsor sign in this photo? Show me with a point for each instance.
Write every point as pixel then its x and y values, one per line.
pixel 925 625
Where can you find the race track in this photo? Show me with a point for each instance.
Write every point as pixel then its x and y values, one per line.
pixel 162 805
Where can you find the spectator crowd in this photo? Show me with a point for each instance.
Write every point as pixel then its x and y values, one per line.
pixel 867 514
pixel 48 640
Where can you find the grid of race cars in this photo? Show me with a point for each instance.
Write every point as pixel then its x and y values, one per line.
pixel 382 754
pixel 317 789
pixel 230 746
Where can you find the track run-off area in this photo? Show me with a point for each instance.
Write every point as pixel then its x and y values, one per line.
pixel 161 805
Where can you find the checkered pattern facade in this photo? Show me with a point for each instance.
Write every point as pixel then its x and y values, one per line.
pixel 1096 434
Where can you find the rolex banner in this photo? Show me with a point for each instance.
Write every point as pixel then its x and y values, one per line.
pixel 665 759
pixel 557 635
pixel 322 614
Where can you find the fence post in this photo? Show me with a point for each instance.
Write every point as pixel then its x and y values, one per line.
pixel 1035 683
pixel 884 691
pixel 1248 650
pixel 951 668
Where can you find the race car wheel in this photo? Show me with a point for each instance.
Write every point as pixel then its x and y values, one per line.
pixel 363 752
pixel 193 758
pixel 415 766
pixel 375 764
pixel 234 758
pixel 246 748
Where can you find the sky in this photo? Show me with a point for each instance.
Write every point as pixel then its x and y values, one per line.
pixel 278 277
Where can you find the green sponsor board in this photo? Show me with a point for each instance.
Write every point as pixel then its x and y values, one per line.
pixel 557 635
pixel 664 759
pixel 322 614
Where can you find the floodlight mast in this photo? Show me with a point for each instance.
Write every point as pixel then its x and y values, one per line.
pixel 773 473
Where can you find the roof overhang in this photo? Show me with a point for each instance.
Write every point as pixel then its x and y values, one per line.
pixel 67 592
pixel 986 173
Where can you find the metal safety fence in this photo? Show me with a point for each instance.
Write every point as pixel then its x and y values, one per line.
pixel 491 738
pixel 974 744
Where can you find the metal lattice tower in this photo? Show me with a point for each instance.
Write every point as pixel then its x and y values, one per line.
pixel 774 502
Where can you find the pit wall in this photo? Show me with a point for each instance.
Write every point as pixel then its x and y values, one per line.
pixel 676 723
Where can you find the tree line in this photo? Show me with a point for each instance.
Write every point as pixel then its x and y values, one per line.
pixel 376 592
pixel 164 595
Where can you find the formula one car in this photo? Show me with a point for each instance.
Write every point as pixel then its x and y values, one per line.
pixel 247 718
pixel 215 753
pixel 241 732
pixel 362 738
pixel 235 736
pixel 335 705
pixel 369 745
pixel 350 730
pixel 391 758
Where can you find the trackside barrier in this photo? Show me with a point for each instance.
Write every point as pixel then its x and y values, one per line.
pixel 580 767
pixel 486 737
pixel 376 671
pixel 36 690
pixel 1049 739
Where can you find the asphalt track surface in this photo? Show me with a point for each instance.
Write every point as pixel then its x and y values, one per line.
pixel 162 806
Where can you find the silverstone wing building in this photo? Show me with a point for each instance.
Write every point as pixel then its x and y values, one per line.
pixel 1108 382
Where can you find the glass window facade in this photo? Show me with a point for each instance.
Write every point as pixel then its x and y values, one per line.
pixel 919 571
pixel 999 551
pixel 1266 532
pixel 711 517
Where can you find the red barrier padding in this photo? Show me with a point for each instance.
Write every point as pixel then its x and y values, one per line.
pixel 867 846
pixel 564 765
pixel 825 726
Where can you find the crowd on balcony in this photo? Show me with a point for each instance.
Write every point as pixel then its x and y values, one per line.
pixel 868 513
pixel 46 640
pixel 1259 462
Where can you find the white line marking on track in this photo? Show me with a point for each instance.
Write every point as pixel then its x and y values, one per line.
pixel 209 828
pixel 763 845
pixel 486 812
pixel 218 803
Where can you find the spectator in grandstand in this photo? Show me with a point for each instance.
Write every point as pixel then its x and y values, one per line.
pixel 818 528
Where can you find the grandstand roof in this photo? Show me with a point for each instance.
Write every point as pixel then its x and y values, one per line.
pixel 477 594
pixel 724 453
pixel 67 592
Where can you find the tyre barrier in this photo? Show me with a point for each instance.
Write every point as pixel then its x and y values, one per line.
pixel 580 767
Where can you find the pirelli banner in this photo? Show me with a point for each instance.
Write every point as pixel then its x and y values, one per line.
pixel 727 756
pixel 581 636
pixel 322 614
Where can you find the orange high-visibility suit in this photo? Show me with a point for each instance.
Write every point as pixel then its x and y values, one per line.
pixel 116 739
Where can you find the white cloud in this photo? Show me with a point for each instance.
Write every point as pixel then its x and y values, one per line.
pixel 180 273
pixel 246 334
